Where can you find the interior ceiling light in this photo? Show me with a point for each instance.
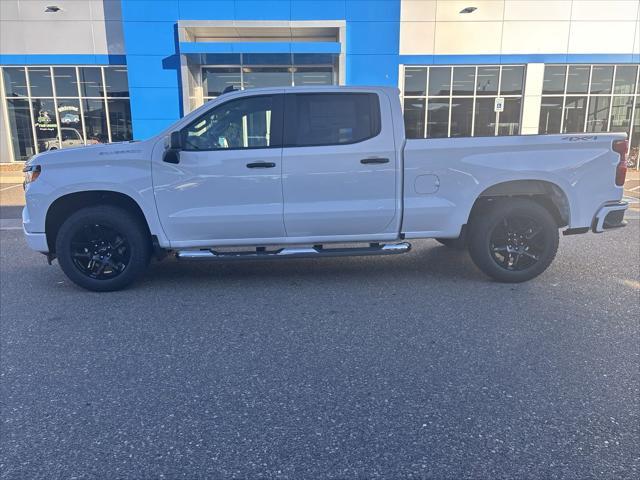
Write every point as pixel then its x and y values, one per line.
pixel 468 10
pixel 52 9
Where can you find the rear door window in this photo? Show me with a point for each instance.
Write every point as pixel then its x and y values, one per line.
pixel 317 119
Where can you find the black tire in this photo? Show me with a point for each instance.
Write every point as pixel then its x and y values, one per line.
pixel 103 248
pixel 453 243
pixel 513 241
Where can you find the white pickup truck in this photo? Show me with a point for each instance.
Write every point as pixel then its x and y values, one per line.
pixel 293 172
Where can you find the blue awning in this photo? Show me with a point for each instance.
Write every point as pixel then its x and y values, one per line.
pixel 259 47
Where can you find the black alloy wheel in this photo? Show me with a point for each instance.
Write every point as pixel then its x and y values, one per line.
pixel 513 240
pixel 100 252
pixel 103 248
pixel 516 243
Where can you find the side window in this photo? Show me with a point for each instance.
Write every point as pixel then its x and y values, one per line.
pixel 251 122
pixel 315 119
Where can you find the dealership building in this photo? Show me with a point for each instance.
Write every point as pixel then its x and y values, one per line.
pixel 78 72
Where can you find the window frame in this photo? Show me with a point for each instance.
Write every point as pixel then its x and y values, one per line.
pixel 277 123
pixel 290 113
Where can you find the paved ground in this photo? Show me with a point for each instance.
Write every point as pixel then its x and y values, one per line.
pixel 408 367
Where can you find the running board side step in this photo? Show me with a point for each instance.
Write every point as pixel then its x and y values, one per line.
pixel 296 252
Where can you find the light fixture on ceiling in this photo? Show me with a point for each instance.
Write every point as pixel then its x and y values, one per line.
pixel 468 10
pixel 52 9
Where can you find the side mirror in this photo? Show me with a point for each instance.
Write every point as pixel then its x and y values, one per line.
pixel 175 141
pixel 172 154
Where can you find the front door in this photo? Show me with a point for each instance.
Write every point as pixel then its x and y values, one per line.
pixel 228 182
pixel 339 166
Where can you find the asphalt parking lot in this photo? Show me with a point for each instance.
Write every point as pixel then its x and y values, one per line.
pixel 413 366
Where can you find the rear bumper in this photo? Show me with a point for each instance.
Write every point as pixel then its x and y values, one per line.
pixel 609 216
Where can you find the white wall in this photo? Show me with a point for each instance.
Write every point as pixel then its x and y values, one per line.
pixel 80 27
pixel 431 27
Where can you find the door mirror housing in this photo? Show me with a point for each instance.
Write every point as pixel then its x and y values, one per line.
pixel 175 141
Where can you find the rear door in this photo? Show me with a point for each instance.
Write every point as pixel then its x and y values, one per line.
pixel 339 165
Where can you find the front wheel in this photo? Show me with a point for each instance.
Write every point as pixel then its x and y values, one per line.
pixel 102 248
pixel 513 241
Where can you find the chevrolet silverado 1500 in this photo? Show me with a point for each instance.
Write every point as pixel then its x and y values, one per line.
pixel 293 172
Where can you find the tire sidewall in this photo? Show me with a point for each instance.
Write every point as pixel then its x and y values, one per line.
pixel 483 226
pixel 121 221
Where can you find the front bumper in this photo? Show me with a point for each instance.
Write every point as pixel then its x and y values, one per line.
pixel 35 241
pixel 610 215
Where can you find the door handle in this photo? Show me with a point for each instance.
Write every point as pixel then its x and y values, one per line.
pixel 374 160
pixel 261 165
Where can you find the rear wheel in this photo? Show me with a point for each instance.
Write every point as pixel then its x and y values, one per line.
pixel 513 241
pixel 102 248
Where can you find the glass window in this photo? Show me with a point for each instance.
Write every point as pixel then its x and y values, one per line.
pixel 57 103
pixel 91 82
pixel 415 82
pixel 554 78
pixel 20 128
pixel 578 79
pixel 461 117
pixel 487 83
pixel 439 81
pixel 215 80
pixel 117 84
pixel 449 103
pixel 438 118
pixel 512 80
pixel 256 77
pixel 15 81
pixel 313 76
pixel 414 117
pixel 66 81
pixel 241 123
pixel 574 114
pixel 120 120
pixel 509 119
pixel 601 79
pixel 46 125
pixel 621 114
pixel 464 79
pixel 485 122
pixel 550 115
pixel 331 118
pixel 40 81
pixel 71 132
pixel 95 121
pixel 625 79
pixel 598 115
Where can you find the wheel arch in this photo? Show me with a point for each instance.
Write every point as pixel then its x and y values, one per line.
pixel 66 205
pixel 548 194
